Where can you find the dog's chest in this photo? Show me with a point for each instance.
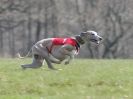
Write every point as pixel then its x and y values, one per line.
pixel 56 47
pixel 57 52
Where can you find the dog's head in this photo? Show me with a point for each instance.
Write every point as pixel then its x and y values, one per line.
pixel 91 36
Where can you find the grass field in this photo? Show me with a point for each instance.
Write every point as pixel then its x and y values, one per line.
pixel 81 79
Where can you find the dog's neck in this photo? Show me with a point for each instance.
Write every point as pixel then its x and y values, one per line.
pixel 79 39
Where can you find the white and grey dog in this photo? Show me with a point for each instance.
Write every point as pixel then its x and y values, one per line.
pixel 57 50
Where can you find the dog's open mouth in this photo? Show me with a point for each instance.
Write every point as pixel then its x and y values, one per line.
pixel 95 41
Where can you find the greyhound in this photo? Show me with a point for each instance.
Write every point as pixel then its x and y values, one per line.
pixel 57 50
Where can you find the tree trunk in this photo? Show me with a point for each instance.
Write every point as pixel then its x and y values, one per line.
pixel 46 22
pixel 1 44
pixel 29 34
pixel 12 43
pixel 54 18
pixel 38 30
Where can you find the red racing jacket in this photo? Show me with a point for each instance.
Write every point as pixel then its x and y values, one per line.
pixel 63 41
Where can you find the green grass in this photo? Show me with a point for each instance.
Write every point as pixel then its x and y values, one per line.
pixel 81 79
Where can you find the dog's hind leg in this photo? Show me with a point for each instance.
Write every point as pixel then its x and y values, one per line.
pixel 36 63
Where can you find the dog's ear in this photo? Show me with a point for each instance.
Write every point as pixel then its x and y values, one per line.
pixel 83 33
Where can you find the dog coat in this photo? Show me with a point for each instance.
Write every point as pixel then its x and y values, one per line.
pixel 63 41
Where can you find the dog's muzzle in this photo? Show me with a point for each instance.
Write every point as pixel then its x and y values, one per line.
pixel 97 41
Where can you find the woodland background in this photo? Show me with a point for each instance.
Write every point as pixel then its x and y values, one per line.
pixel 24 22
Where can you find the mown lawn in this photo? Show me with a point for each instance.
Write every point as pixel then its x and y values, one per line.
pixel 81 79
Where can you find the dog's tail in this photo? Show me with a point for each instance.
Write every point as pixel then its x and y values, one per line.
pixel 21 57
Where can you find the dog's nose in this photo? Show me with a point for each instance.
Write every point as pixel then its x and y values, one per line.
pixel 100 38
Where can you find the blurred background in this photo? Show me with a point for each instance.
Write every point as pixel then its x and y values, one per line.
pixel 24 22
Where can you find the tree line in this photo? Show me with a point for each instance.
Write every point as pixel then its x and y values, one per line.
pixel 24 22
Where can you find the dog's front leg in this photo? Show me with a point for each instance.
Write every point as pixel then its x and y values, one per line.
pixel 69 58
pixel 67 50
pixel 49 63
pixel 53 59
pixel 67 61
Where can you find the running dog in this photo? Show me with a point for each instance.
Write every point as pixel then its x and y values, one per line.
pixel 57 50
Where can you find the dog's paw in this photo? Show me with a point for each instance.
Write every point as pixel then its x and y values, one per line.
pixel 23 68
pixel 59 62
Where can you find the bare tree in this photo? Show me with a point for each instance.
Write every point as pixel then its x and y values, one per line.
pixel 115 28
pixel 45 21
pixel 54 18
pixel 38 30
pixel 23 22
pixel 1 43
